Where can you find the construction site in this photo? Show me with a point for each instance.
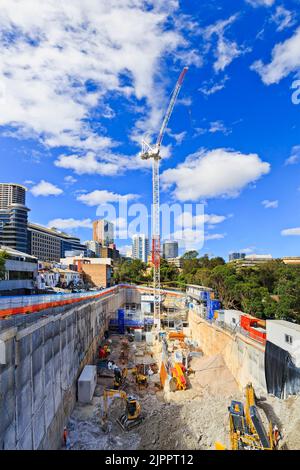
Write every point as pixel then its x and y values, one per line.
pixel 162 392
pixel 134 367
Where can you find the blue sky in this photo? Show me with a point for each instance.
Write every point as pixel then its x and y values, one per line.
pixel 80 85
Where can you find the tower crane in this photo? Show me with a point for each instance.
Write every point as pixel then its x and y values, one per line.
pixel 153 151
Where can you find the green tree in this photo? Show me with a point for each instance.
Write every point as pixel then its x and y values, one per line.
pixel 168 272
pixel 3 257
pixel 190 254
pixel 131 271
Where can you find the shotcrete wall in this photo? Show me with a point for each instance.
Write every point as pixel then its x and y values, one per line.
pixel 42 364
pixel 243 356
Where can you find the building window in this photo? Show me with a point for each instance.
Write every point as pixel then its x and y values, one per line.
pixel 288 339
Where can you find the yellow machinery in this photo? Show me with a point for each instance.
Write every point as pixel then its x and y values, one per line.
pixel 178 380
pixel 246 428
pixel 140 378
pixel 132 416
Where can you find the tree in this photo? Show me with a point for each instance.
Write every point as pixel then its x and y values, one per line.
pixel 3 256
pixel 168 272
pixel 131 271
pixel 190 254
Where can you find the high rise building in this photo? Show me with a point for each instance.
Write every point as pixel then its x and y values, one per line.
pixel 170 249
pixel 13 216
pixel 48 244
pixel 94 247
pixel 140 247
pixel 103 232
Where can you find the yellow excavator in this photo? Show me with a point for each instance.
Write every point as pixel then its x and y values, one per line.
pixel 132 416
pixel 247 431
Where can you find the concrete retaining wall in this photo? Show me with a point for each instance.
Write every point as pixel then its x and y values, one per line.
pixel 243 356
pixel 42 364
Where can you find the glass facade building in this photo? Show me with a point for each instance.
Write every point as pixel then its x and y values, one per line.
pixel 13 217
pixel 170 249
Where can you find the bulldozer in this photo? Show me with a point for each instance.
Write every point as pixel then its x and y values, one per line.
pixel 132 416
pixel 246 429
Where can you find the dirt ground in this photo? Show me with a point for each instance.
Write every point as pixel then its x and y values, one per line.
pixel 182 420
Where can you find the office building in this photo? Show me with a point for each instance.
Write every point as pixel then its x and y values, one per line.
pixel 140 247
pixel 170 249
pixel 103 232
pixel 93 247
pixel 177 262
pixel 20 274
pixel 253 260
pixel 236 256
pixel 13 216
pixel 50 244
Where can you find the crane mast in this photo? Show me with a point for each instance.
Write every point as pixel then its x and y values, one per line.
pixel 153 152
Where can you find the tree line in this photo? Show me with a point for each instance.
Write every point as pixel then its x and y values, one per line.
pixel 268 290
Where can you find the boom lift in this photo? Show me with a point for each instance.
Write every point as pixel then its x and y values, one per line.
pixel 132 416
pixel 246 429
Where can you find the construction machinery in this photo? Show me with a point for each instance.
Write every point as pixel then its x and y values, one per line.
pixel 153 151
pixel 178 380
pixel 132 416
pixel 247 431
pixel 140 376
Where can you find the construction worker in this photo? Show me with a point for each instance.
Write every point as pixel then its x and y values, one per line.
pixel 66 438
pixel 65 435
pixel 102 353
pixel 276 435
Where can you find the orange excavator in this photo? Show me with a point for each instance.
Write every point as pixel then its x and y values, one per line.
pixel 178 380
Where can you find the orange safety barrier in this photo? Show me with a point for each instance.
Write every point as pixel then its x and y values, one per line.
pixel 43 306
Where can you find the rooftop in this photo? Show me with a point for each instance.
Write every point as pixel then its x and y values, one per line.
pixel 284 323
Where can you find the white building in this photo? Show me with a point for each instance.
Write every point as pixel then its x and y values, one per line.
pixel 47 278
pixel 230 317
pixel 285 335
pixel 21 272
pixel 140 247
pixel 68 277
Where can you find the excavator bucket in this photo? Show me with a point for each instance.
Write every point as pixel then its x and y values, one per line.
pixel 128 424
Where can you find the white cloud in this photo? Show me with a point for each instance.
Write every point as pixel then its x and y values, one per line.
pixel 291 231
pixel 283 18
pixel 106 164
pixel 294 158
pixel 70 224
pixel 261 3
pixel 97 197
pixel 187 219
pixel 44 188
pixel 70 179
pixel 226 50
pixel 270 204
pixel 61 60
pixel 285 59
pixel 219 126
pixel 214 236
pixel 213 173
pixel 209 88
